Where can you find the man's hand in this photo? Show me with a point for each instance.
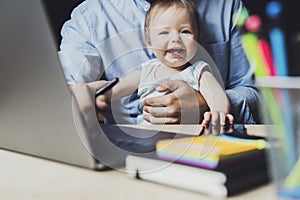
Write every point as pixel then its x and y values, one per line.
pixel 181 105
pixel 103 100
pixel 84 95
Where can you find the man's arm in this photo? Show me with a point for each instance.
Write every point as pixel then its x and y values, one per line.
pixel 221 37
pixel 241 91
pixel 79 57
pixel 84 95
pixel 244 104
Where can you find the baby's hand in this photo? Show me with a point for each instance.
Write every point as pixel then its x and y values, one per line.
pixel 215 122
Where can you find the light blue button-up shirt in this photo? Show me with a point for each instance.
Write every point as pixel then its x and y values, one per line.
pixel 104 39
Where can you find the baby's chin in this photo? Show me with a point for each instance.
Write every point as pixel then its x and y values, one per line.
pixel 178 62
pixel 179 66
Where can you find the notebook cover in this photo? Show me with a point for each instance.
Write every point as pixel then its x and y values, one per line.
pixel 237 179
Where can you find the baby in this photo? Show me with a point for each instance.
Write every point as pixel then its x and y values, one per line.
pixel 172 34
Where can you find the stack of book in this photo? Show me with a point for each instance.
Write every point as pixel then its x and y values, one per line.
pixel 217 166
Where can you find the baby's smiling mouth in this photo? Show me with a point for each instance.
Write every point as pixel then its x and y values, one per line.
pixel 176 51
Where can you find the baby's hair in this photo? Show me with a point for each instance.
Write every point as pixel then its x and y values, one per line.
pixel 161 5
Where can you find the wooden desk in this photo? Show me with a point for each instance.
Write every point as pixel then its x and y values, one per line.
pixel 27 177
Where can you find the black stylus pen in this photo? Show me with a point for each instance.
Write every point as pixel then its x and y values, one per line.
pixel 107 87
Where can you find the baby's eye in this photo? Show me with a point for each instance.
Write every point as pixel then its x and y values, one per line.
pixel 164 33
pixel 186 32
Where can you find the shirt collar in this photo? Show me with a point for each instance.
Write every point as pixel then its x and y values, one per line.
pixel 144 4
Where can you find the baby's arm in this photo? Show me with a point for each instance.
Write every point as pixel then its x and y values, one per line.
pixel 126 86
pixel 216 99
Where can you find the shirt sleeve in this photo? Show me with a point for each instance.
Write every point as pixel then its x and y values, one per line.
pixel 241 90
pixel 80 60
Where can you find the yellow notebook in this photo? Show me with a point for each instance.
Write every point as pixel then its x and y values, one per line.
pixel 207 151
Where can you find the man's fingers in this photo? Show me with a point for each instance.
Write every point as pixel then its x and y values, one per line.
pixel 169 85
pixel 161 101
pixel 101 102
pixel 96 85
pixel 156 111
pixel 160 120
pixel 180 102
pixel 153 101
pixel 161 111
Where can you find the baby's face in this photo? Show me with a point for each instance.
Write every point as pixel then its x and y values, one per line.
pixel 172 37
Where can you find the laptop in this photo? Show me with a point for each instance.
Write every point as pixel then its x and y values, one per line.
pixel 38 115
